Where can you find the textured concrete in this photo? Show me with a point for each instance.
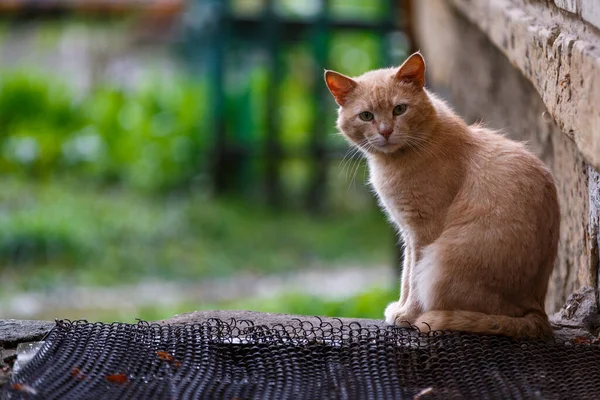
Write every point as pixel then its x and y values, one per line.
pixel 567 5
pixel 14 331
pixel 580 311
pixel 269 319
pixel 588 10
pixel 575 323
pixel 476 75
pixel 557 52
pixel 572 321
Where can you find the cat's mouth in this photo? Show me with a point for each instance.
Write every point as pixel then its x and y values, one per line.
pixel 384 146
pixel 389 148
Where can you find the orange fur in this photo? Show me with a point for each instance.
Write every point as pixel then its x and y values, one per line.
pixel 477 211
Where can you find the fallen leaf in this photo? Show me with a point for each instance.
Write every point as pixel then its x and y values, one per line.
pixel 21 387
pixel 581 340
pixel 117 378
pixel 165 356
pixel 77 374
pixel 168 357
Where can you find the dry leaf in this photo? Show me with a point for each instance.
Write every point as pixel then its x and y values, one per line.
pixel 581 340
pixel 117 378
pixel 165 356
pixel 21 387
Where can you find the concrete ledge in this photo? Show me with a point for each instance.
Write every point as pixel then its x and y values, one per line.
pixel 14 331
pixel 268 319
pixel 572 321
pixel 557 52
pixel 293 324
pixel 568 325
pixel 589 10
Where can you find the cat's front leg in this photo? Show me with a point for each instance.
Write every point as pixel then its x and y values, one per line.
pixel 406 268
pixel 398 314
pixel 407 308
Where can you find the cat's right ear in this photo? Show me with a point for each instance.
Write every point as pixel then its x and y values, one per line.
pixel 339 85
pixel 413 70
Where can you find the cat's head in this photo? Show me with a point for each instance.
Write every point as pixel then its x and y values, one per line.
pixel 385 110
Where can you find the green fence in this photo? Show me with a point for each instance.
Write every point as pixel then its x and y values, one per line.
pixel 269 107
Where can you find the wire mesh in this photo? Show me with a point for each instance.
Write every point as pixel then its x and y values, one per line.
pixel 217 359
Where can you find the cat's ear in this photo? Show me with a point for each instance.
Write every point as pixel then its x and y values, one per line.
pixel 413 70
pixel 339 85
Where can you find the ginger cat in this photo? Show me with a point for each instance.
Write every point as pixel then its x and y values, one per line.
pixel 478 212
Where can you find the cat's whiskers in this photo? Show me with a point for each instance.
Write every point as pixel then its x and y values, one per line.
pixel 361 146
pixel 368 149
pixel 353 179
pixel 355 167
pixel 346 159
pixel 349 157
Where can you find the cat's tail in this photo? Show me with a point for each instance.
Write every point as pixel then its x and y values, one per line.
pixel 533 324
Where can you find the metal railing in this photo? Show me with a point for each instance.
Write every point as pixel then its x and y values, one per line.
pixel 217 32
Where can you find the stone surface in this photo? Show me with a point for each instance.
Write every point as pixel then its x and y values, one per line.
pixel 483 84
pixel 567 5
pixel 571 321
pixel 13 331
pixel 562 330
pixel 557 53
pixel 594 220
pixel 268 319
pixel 590 11
pixel 580 311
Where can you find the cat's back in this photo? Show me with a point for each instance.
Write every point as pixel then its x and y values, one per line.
pixel 505 178
pixel 499 159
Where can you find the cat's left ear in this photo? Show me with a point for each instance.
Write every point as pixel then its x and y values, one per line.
pixel 413 70
pixel 339 85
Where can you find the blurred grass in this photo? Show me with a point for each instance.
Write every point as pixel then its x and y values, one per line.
pixel 109 186
pixel 147 138
pixel 69 232
pixel 369 304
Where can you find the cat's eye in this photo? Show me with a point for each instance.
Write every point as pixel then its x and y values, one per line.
pixel 366 116
pixel 399 109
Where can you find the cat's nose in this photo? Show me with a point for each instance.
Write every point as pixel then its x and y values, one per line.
pixel 385 131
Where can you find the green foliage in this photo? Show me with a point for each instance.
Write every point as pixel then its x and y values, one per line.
pixel 354 53
pixel 105 185
pixel 148 137
pixel 369 304
pixel 156 135
pixel 77 233
pixel 35 118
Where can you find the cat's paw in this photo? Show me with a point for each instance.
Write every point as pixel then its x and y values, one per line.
pixel 397 315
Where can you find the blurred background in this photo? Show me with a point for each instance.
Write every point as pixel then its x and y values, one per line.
pixel 165 156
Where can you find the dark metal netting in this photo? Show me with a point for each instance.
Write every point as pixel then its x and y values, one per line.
pixel 301 360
